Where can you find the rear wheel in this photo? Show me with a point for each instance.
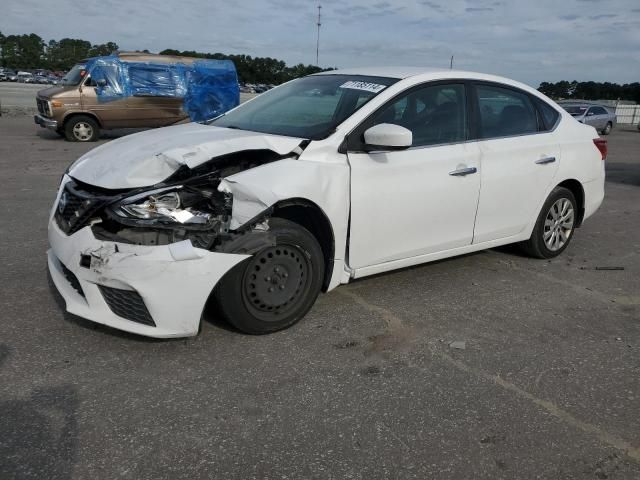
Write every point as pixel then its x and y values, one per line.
pixel 555 225
pixel 277 286
pixel 81 128
pixel 607 129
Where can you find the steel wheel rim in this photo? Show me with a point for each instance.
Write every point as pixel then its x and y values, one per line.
pixel 276 282
pixel 82 131
pixel 558 224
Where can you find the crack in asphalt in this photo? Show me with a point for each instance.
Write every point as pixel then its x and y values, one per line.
pixel 395 324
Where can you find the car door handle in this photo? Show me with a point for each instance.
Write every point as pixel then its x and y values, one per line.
pixel 546 160
pixel 461 172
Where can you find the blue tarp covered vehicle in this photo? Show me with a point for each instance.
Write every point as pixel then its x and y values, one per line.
pixel 208 88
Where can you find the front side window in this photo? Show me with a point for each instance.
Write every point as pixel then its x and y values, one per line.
pixel 505 112
pixel 599 111
pixel 74 76
pixel 435 114
pixel 310 107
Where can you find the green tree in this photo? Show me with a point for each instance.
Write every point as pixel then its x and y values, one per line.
pixel 591 90
pixel 103 49
pixel 64 54
pixel 22 51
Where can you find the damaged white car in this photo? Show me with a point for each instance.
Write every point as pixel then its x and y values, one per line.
pixel 322 180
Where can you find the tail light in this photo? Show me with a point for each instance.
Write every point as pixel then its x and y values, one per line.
pixel 601 144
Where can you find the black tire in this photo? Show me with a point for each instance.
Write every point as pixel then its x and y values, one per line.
pixel 536 246
pixel 81 128
pixel 60 131
pixel 277 286
pixel 607 129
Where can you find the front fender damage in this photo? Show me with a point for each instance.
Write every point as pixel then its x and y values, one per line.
pixel 238 220
pixel 249 201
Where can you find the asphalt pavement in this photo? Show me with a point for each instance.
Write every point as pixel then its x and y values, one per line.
pixel 486 366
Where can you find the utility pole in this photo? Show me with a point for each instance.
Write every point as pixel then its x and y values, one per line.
pixel 318 40
pixel 451 63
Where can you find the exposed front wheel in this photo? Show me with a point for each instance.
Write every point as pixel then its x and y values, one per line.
pixel 277 286
pixel 607 129
pixel 555 225
pixel 81 128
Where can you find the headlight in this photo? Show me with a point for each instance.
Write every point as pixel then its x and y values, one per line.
pixel 165 205
pixel 153 206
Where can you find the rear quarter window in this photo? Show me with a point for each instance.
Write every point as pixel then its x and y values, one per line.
pixel 549 115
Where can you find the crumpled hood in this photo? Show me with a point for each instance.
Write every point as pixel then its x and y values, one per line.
pixel 149 157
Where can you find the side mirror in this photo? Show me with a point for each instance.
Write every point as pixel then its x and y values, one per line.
pixel 589 114
pixel 388 136
pixel 101 82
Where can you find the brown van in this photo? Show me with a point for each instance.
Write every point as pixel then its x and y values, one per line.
pixel 73 110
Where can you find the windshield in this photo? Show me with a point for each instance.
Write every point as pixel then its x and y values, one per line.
pixel 74 76
pixel 310 107
pixel 575 110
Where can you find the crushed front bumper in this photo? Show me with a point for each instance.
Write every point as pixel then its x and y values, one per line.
pixel 45 122
pixel 161 289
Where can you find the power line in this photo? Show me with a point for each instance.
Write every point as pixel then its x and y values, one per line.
pixel 318 39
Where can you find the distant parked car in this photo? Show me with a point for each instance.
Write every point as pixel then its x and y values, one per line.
pixel 11 75
pixel 74 110
pixel 25 77
pixel 41 79
pixel 595 115
pixel 3 77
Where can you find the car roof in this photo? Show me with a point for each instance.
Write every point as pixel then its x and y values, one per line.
pixel 389 72
pixel 425 72
pixel 428 74
pixel 565 103
pixel 147 57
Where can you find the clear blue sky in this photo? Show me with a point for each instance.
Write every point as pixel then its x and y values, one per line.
pixel 531 41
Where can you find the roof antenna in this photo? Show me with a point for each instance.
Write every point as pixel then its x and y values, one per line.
pixel 451 63
pixel 318 40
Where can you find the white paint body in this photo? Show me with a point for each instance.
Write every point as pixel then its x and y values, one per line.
pixel 404 207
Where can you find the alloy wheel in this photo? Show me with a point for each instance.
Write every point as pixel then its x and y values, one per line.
pixel 558 224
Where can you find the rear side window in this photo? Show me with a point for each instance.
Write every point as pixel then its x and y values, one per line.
pixel 505 112
pixel 549 114
pixel 152 80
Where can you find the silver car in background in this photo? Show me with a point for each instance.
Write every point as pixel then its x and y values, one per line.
pixel 595 115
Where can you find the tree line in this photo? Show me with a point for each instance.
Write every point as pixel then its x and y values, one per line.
pixel 591 90
pixel 255 69
pixel 30 51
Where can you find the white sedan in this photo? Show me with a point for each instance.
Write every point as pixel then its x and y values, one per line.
pixel 327 178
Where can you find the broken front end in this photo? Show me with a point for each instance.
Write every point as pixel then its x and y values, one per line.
pixel 145 260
